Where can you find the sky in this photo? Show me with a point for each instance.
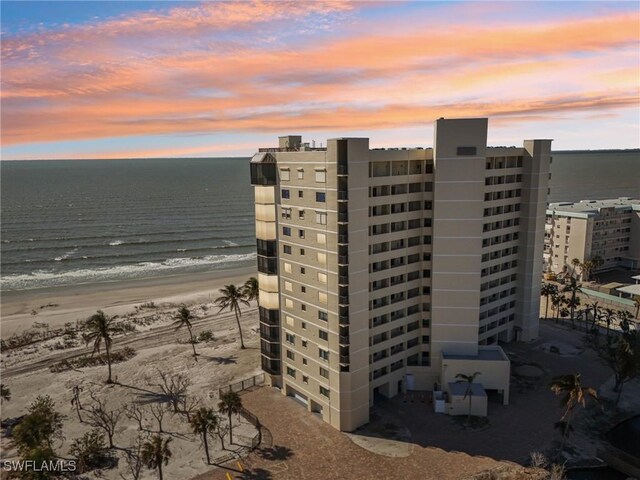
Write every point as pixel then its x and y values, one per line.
pixel 124 79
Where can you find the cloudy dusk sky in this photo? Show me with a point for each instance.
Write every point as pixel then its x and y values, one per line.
pixel 158 79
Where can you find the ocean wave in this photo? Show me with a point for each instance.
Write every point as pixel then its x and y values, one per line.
pixel 48 278
pixel 139 241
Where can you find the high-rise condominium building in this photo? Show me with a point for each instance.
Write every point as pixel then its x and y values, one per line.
pixel 386 270
pixel 605 229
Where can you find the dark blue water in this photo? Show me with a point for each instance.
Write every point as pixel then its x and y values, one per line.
pixel 75 221
pixel 79 221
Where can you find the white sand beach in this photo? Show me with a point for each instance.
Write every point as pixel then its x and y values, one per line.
pixel 158 348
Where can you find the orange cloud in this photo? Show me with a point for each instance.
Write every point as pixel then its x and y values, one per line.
pixel 378 81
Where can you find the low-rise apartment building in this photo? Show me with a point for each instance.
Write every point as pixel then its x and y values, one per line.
pixel 386 270
pixel 604 229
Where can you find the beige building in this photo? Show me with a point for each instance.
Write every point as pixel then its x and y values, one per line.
pixel 386 270
pixel 609 229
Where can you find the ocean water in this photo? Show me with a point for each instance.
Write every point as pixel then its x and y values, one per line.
pixel 81 221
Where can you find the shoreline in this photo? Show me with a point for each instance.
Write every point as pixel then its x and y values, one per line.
pixel 68 303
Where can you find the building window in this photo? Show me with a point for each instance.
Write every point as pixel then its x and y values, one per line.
pixel 303 270
pixel 321 176
pixel 322 277
pixel 305 379
pixel 290 338
pixel 288 303
pixel 321 197
pixel 285 193
pixel 286 249
pixel 300 194
pixel 303 289
pixel 286 231
pixel 287 267
pixel 303 307
pixel 323 391
pixel 301 233
pixel 288 286
pixel 321 218
pixel 323 315
pixel 322 297
pixel 322 258
pixel 291 372
pixel 323 354
pixel 321 238
pixel 304 344
pixel 300 174
pixel 323 335
pixel 301 214
pixel 286 213
pixel 291 355
pixel 303 325
pixel 284 174
pixel 324 372
pixel 302 251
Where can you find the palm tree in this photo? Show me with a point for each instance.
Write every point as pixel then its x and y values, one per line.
pixel 231 299
pixel 609 315
pixel 547 290
pixel 250 289
pixel 204 422
pixel 184 320
pixel 557 300
pixel 100 329
pixel 596 314
pixel 574 394
pixel 469 379
pixel 230 403
pixel 576 263
pixel 573 288
pixel 5 393
pixel 155 452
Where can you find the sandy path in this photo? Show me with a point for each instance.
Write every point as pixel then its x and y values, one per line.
pixel 74 302
pixel 223 322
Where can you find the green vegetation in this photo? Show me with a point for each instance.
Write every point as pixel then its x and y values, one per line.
pixel 204 422
pixel 91 361
pixel 184 320
pixel 90 451
pixel 230 403
pixel 100 331
pixel 574 394
pixel 231 299
pixel 156 453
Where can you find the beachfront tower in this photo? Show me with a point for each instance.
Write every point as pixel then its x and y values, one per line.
pixel 387 270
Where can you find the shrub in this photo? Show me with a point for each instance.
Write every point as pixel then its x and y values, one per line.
pixel 91 361
pixel 39 427
pixel 206 336
pixel 90 451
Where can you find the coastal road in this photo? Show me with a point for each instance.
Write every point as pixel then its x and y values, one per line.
pixel 224 323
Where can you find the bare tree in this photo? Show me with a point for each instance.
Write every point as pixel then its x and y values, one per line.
pixel 133 458
pixel 135 412
pixel 75 400
pixel 174 388
pixel 189 405
pixel 100 417
pixel 159 410
pixel 221 431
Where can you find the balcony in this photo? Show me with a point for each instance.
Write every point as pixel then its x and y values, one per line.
pixel 343 339
pixel 344 359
